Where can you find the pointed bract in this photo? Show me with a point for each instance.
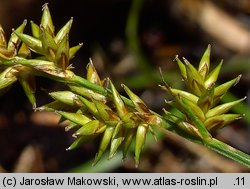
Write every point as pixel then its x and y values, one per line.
pixel 105 112
pixel 33 43
pixel 74 50
pixel 52 106
pixel 139 142
pixel 117 139
pixel 128 138
pixel 219 121
pixel 66 97
pixel 89 128
pixel 14 40
pixel 223 108
pixel 206 99
pixel 7 77
pixel 48 44
pixel 205 63
pixel 3 42
pixel 92 74
pixel 139 104
pixel 87 93
pixel 194 80
pixel 24 51
pixel 213 76
pixel 79 141
pixel 104 143
pixel 77 118
pixel 29 87
pixel 63 31
pixel 62 53
pixel 223 88
pixel 35 29
pixel 182 67
pixel 46 20
pixel 120 106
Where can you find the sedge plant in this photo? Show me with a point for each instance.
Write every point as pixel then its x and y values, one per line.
pixel 93 106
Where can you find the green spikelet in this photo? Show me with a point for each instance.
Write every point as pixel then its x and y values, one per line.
pixel 202 98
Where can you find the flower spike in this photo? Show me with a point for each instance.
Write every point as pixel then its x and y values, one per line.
pixel 201 99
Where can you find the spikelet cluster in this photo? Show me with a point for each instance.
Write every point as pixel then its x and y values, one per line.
pixel 91 114
pixel 202 98
pixel 8 51
pixel 50 46
pixel 51 54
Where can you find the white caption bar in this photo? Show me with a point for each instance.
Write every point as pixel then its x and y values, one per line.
pixel 125 180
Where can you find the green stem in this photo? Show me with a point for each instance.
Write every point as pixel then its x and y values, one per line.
pixel 84 82
pixel 96 88
pixel 196 121
pixel 217 145
pixel 133 39
pixel 229 151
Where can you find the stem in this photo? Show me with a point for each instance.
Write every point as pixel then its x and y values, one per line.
pixel 84 82
pixel 133 39
pixel 228 151
pixel 97 88
pixel 196 121
pixel 217 145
